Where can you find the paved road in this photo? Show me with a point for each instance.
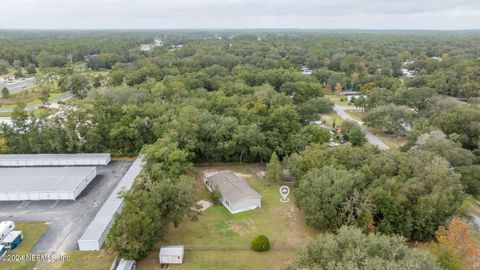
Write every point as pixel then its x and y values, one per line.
pixel 18 85
pixel 68 219
pixel 371 138
pixel 51 103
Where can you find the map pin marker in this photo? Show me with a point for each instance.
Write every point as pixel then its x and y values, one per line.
pixel 284 191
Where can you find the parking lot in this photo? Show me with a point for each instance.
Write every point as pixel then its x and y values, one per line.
pixel 68 219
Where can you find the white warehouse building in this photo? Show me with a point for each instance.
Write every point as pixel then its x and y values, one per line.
pixel 37 160
pixel 97 230
pixel 45 183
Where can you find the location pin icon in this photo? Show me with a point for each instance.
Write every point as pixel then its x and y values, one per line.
pixel 284 191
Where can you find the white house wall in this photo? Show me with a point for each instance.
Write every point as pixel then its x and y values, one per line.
pixel 245 205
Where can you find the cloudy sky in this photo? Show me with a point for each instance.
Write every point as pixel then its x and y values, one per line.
pixel 172 14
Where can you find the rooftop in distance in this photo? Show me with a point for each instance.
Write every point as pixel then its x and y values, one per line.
pixel 54 159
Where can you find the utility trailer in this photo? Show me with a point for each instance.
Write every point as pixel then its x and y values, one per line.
pixel 13 240
pixel 3 252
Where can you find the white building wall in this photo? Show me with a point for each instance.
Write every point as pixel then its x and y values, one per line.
pixel 244 205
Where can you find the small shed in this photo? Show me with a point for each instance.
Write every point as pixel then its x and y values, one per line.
pixel 172 254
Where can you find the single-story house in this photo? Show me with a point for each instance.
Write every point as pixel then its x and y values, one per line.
pixel 172 254
pixel 237 195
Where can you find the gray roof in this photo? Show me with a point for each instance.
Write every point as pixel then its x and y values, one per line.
pixel 99 226
pixel 171 250
pixel 38 179
pixel 232 187
pixel 54 159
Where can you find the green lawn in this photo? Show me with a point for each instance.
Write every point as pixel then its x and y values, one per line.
pixel 35 101
pixel 330 118
pixel 32 232
pixel 220 240
pixel 339 100
pixel 356 114
pixel 90 260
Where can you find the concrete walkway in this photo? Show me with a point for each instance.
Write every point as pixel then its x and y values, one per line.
pixel 372 139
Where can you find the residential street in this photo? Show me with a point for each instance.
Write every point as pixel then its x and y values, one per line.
pixel 372 139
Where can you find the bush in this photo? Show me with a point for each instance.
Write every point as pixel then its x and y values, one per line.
pixel 216 196
pixel 260 243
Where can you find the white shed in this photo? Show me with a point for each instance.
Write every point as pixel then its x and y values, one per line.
pixel 237 195
pixel 172 254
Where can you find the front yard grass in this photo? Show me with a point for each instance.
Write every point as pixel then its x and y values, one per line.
pixel 220 240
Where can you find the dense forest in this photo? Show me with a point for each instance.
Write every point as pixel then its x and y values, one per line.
pixel 241 97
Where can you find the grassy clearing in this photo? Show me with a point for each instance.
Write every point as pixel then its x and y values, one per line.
pixel 339 100
pixel 91 260
pixel 232 260
pixel 331 118
pixel 220 240
pixel 357 115
pixel 29 100
pixel 32 232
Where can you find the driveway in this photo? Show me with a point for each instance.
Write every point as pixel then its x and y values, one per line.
pixel 68 219
pixel 371 138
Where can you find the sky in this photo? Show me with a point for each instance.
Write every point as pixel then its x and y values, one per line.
pixel 180 14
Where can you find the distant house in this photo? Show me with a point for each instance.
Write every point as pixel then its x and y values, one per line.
pixel 172 254
pixel 306 71
pixel 408 73
pixel 237 195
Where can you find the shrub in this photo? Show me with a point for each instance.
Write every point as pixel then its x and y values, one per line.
pixel 260 243
pixel 216 196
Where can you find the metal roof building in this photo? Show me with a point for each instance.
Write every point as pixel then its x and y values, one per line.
pixel 237 195
pixel 97 230
pixel 46 183
pixel 31 160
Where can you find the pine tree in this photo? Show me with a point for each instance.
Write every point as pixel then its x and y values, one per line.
pixel 274 169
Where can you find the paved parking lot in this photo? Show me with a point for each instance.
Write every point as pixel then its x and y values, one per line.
pixel 68 219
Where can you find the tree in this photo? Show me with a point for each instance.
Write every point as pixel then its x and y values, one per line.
pixel 76 84
pixel 470 177
pixel 416 98
pixel 310 109
pixel 147 213
pixel 321 194
pixel 274 171
pixel 4 66
pixel 44 95
pixel 164 160
pixel 349 248
pixel 456 247
pixel 353 133
pixel 390 118
pixel 5 92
